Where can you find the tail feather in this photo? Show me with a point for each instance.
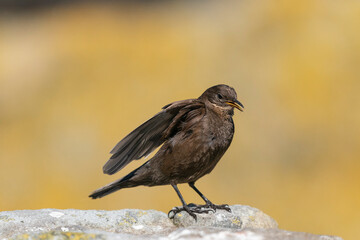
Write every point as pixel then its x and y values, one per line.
pixel 124 182
pixel 106 190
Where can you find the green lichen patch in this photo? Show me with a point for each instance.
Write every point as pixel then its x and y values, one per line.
pixel 56 235
pixel 236 221
pixel 141 213
pixel 6 218
pixel 127 220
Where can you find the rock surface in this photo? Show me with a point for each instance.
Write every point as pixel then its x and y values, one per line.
pixel 245 223
pixel 239 217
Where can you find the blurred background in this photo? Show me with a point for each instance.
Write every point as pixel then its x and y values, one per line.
pixel 76 78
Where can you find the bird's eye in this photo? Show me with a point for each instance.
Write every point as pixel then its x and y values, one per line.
pixel 219 96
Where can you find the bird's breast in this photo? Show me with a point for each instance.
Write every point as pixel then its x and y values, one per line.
pixel 220 133
pixel 193 153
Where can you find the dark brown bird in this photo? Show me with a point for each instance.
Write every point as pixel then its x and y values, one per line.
pixel 195 134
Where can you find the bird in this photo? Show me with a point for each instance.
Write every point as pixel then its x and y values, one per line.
pixel 193 134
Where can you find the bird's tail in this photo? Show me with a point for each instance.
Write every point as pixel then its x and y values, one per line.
pixel 124 182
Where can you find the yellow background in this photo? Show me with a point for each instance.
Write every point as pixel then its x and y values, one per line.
pixel 75 79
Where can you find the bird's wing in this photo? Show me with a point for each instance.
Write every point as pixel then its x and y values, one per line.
pixel 150 135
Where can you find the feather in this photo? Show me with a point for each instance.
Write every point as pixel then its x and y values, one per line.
pixel 150 135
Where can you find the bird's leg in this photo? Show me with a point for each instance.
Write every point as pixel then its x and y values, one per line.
pixel 185 207
pixel 209 204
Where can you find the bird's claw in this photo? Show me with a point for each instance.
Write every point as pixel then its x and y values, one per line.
pixel 177 210
pixel 220 206
pixel 208 207
pixel 201 208
pixel 191 209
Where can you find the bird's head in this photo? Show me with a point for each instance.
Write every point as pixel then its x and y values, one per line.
pixel 222 96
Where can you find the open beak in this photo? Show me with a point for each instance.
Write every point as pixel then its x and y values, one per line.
pixel 236 104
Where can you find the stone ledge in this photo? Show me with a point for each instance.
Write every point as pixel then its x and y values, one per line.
pixel 243 223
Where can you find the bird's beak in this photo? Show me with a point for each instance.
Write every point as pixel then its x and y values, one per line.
pixel 236 104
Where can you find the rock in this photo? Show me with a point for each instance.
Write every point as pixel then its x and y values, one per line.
pixel 245 234
pixel 130 221
pixel 245 223
pixel 239 217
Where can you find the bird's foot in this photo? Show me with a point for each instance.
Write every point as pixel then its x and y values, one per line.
pixel 192 208
pixel 197 208
pixel 215 207
pixel 187 208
